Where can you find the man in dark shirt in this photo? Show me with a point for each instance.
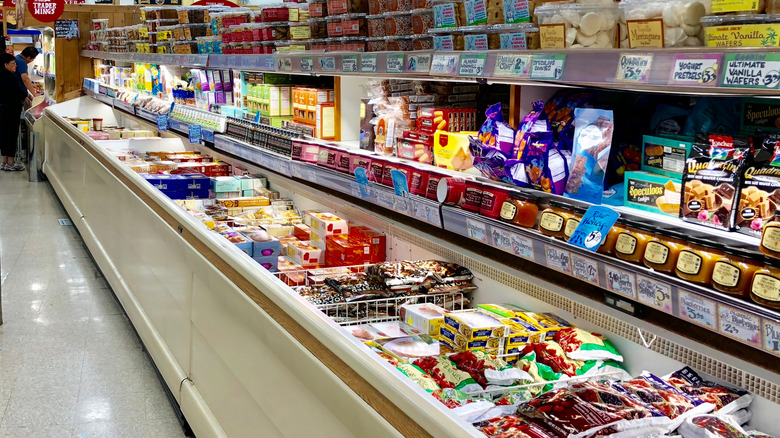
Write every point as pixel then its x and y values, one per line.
pixel 27 56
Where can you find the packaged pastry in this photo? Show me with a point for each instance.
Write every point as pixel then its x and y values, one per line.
pixel 448 13
pixel 741 30
pixel 185 47
pixel 422 20
pixel 272 13
pixel 516 36
pixel 299 31
pixel 398 5
pixel 422 42
pixel 656 23
pixel 340 7
pixel 399 43
pixel 481 12
pixel 353 44
pixel 519 11
pixel 725 399
pixel 564 25
pixel 759 198
pixel 592 144
pixel 358 286
pixel 376 25
pixel 318 27
pixel 447 39
pixel 334 27
pixel 711 180
pixel 318 8
pixel 377 7
pixel 193 14
pixel 732 7
pixel 354 25
pixel 376 44
pixel 398 24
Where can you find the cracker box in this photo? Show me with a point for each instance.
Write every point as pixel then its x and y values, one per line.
pixel 650 192
pixel 458 342
pixel 256 201
pixel 426 317
pixel 664 156
pixel 548 323
pixel 473 324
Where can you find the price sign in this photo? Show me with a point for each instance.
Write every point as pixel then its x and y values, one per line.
pixel 444 64
pixel 328 64
pixel 385 200
pixel 697 309
pixel 426 213
pixel 402 205
pixel 307 64
pixel 349 63
pixel 696 70
pixel 266 62
pixel 418 63
pixel 515 66
pixel 752 70
pixel 395 63
pixel 208 135
pixel 400 184
pixel 284 64
pixel 593 227
pixel 548 67
pixel 522 246
pixel 620 281
pixel 364 188
pixel 502 239
pixel 311 176
pixel 739 325
pixel 66 29
pixel 585 269
pixel 477 230
pixel 472 64
pixel 558 259
pixel 162 122
pixel 368 63
pixel 194 133
pixel 772 336
pixel 653 293
pixel 634 68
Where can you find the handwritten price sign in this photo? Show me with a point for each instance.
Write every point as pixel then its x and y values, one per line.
pixel 634 68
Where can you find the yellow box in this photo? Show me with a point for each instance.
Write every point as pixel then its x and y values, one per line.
pixel 255 201
pixel 457 342
pixel 473 324
pixel 451 150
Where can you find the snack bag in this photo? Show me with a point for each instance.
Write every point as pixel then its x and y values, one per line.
pixel 495 132
pixel 462 405
pixel 726 400
pixel 568 415
pixel 546 169
pixel 600 367
pixel 619 401
pixel 711 426
pixel 664 397
pixel 489 160
pixel 513 426
pixel 538 371
pixel 534 122
pixel 560 113
pixel 486 369
pixel 447 375
pixel 582 345
pixel 419 377
pixel 592 144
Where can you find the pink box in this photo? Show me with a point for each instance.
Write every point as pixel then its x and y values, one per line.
pixel 305 253
pixel 343 160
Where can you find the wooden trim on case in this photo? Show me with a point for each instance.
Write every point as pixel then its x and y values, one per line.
pixel 384 407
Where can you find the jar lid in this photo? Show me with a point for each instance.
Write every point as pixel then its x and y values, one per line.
pixel 742 252
pixel 524 195
pixel 641 226
pixel 771 261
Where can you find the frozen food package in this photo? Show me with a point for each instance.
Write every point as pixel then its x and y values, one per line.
pixel 569 415
pixel 711 426
pixel 418 376
pixel 410 348
pixel 580 344
pixel 726 399
pixel 513 426
pixel 489 370
pixel 592 143
pixel 447 375
pixel 652 390
pixel 357 286
pixel 611 398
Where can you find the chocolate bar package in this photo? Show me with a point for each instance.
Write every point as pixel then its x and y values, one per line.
pixel 760 195
pixel 711 182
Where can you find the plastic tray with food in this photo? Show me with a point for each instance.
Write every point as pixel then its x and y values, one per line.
pixel 741 30
pixel 661 23
pixel 577 26
pixel 517 36
pixel 354 25
pixel 482 12
pixel 399 5
pixel 333 27
pixel 447 39
pixel 193 14
pixel 319 45
pixel 318 8
pixel 340 7
pixel 184 47
pixel 398 24
pixel 448 13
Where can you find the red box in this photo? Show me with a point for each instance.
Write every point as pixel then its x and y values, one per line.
pixel 358 160
pixel 387 176
pixel 418 181
pixel 343 159
pixel 376 239
pixel 209 169
pixel 302 232
pixel 431 120
pixel 377 170
pixel 347 249
pixel 419 137
pixel 415 151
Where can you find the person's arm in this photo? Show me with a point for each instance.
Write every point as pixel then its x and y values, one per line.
pixel 28 84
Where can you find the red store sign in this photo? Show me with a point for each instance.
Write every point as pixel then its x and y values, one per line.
pixel 46 11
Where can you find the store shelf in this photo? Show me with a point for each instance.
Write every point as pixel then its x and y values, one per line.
pixel 659 71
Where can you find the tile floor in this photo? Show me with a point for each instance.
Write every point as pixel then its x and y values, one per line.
pixel 70 363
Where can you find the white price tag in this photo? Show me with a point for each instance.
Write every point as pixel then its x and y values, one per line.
pixel 522 246
pixel 634 68
pixel 696 70
pixel 477 230
pixel 740 325
pixel 514 66
pixel 620 281
pixel 698 309
pixel 502 239
pixel 472 64
pixel 653 293
pixel 307 64
pixel 585 269
pixel 418 63
pixel 752 70
pixel 368 63
pixel 349 63
pixel 772 336
pixel 284 64
pixel 328 64
pixel 558 259
pixel 444 65
pixel 548 66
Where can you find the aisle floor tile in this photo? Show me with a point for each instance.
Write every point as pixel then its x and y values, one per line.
pixel 71 364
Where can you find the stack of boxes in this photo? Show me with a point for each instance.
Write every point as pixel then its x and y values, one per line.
pixel 315 109
pixel 268 95
pixel 190 186
pixel 226 187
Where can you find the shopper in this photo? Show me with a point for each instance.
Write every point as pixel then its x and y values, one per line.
pixel 12 95
pixel 27 56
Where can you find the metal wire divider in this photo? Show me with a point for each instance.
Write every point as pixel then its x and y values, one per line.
pixel 369 310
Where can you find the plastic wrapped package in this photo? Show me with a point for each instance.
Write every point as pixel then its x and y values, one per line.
pixel 658 23
pixel 398 24
pixel 577 26
pixel 319 44
pixel 376 7
pixel 318 27
pixel 193 14
pixel 399 43
pixel 354 25
pixel 501 36
pixel 483 12
pixel 422 20
pixel 447 39
pixel 422 42
pixel 353 44
pixel 193 31
pixel 399 5
pixel 340 7
pixel 376 25
pixel 333 26
pixel 333 44
pixel 377 44
pixel 318 8
pixel 741 30
pixel 274 13
pixel 731 7
pixel 448 13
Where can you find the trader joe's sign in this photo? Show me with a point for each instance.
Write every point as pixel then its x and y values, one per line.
pixel 46 11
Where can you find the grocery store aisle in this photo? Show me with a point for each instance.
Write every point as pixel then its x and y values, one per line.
pixel 70 363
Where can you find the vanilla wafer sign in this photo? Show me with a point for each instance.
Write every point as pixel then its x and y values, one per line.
pixel 46 11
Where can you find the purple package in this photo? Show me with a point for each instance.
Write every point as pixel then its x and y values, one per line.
pixel 516 169
pixel 204 81
pixel 219 98
pixel 488 130
pixel 217 80
pixel 227 80
pixel 489 160
pixel 535 121
pixel 505 138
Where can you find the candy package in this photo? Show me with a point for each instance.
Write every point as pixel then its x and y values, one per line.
pixel 512 426
pixel 560 113
pixel 320 295
pixel 486 369
pixel 447 375
pixel 664 397
pixel 726 400
pixel 533 123
pixel 418 376
pixel 489 160
pixel 582 345
pixel 358 286
pixel 615 400
pixel 592 144
pixel 568 415
pixel 711 426
pixel 403 276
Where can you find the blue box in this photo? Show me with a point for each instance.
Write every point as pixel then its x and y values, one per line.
pixel 269 263
pixel 266 249
pixel 196 194
pixel 196 182
pixel 175 194
pixel 166 183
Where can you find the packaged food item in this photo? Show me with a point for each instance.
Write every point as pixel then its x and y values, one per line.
pixel 592 143
pixel 399 5
pixel 569 415
pixel 426 317
pixel 696 261
pixel 661 23
pixel 654 391
pixel 765 286
pixel 447 39
pixel 447 375
pixel 552 221
pixel 339 7
pixel 376 26
pixel 422 42
pixel 354 25
pixel 419 377
pixel 582 345
pixel 488 370
pixel 193 14
pixel 399 43
pixel 662 251
pixel 520 209
pixel 376 44
pixel 564 25
pixel 738 7
pixel 377 7
pixel 475 325
pixel 632 242
pixel 448 13
pixel 741 30
pixel 760 193
pixel 651 192
pixel 734 272
pixel 513 426
pixel 398 24
pixel 726 400
pixel 318 8
pixel 411 349
pixel 711 180
pixel 515 36
pixel 422 20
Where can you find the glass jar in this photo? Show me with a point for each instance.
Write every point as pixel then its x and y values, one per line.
pixel 662 251
pixel 552 221
pixel 734 272
pixel 520 209
pixel 770 237
pixel 573 222
pixel 697 261
pixel 765 287
pixel 608 245
pixel 631 243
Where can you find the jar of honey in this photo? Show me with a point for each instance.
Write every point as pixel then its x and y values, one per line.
pixel 733 273
pixel 697 261
pixel 631 243
pixel 662 251
pixel 608 245
pixel 520 209
pixel 770 237
pixel 765 288
pixel 552 221
pixel 573 222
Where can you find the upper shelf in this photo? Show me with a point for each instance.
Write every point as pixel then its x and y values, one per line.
pixel 697 71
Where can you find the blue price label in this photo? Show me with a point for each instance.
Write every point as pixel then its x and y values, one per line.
pixel 593 227
pixel 208 135
pixel 162 122
pixel 362 179
pixel 257 117
pixel 400 183
pixel 195 132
